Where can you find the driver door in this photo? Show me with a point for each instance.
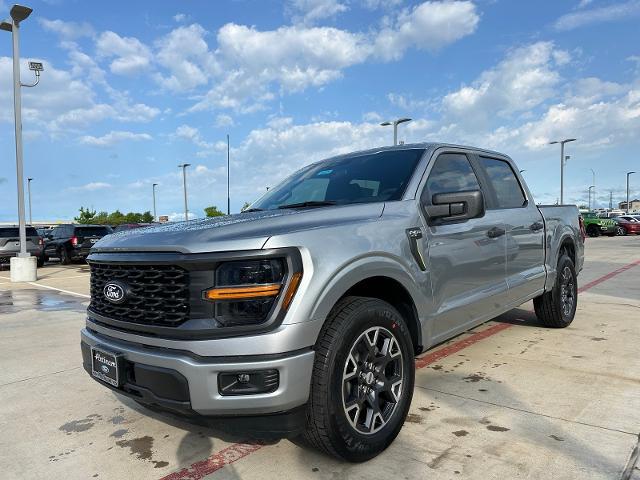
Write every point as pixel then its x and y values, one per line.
pixel 467 258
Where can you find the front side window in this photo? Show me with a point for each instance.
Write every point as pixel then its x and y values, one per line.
pixel 508 191
pixel 451 173
pixel 375 177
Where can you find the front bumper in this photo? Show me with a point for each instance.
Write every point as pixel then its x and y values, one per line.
pixel 199 392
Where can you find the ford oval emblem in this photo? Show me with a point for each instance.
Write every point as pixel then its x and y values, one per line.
pixel 114 292
pixel 104 368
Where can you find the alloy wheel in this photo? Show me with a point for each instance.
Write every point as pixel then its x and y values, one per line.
pixel 372 380
pixel 567 291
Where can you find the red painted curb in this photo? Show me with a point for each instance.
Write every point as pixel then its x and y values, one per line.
pixel 606 277
pixel 235 452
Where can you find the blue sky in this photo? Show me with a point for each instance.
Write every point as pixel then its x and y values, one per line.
pixel 130 90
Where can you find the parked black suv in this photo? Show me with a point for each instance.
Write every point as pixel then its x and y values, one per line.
pixel 73 242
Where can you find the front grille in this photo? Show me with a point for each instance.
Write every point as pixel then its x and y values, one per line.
pixel 156 294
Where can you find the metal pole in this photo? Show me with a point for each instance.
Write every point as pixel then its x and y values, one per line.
pixel 155 217
pixel 184 185
pixel 17 107
pixel 561 173
pixel 395 133
pixel 228 174
pixel 628 175
pixel 29 196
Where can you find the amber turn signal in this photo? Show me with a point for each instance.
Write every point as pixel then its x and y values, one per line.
pixel 243 292
pixel 291 290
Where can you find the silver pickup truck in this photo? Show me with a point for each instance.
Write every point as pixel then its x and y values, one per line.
pixel 303 314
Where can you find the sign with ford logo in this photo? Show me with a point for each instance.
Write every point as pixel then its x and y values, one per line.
pixel 114 292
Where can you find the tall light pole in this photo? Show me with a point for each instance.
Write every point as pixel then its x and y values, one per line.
pixel 228 174
pixel 29 196
pixel 184 186
pixel 628 175
pixel 593 173
pixel 592 186
pixel 153 188
pixel 562 161
pixel 395 124
pixel 23 267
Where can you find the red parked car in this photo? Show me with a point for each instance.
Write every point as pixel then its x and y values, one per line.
pixel 627 227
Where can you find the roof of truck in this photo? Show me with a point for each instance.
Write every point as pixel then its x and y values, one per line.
pixel 424 145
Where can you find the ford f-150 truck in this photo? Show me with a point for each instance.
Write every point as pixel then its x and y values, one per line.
pixel 303 314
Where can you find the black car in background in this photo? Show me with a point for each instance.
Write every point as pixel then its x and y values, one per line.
pixel 73 242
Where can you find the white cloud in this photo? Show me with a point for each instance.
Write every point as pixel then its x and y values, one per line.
pixel 180 17
pixel 377 4
pixel 428 26
pixel 584 3
pixel 310 11
pixel 406 102
pixel 223 120
pixel 67 30
pixel 523 80
pixel 113 137
pixel 185 54
pixel 192 135
pixel 249 65
pixel 608 13
pixel 132 56
pixel 92 186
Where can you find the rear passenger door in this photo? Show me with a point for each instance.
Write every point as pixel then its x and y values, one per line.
pixel 523 225
pixel 466 258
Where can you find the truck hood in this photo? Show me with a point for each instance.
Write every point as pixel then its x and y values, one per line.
pixel 243 231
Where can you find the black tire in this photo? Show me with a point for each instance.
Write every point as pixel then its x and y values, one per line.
pixel 620 231
pixel 593 231
pixel 40 261
pixel 329 427
pixel 63 253
pixel 554 309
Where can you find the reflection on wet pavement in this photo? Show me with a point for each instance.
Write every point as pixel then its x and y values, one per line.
pixel 36 299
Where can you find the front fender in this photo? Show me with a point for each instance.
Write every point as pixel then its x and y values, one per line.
pixel 362 268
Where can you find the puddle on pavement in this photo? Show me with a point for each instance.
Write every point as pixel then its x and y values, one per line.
pixel 14 301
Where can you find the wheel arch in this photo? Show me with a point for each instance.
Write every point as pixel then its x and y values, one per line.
pixel 381 278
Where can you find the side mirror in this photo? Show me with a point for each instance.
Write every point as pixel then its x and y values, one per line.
pixel 456 206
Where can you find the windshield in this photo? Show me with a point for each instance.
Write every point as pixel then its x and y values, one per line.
pixel 375 177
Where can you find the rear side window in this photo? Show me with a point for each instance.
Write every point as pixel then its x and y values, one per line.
pixel 508 191
pixel 13 232
pixel 92 231
pixel 451 172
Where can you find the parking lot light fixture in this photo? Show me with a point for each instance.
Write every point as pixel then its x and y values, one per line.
pixel 184 186
pixel 592 186
pixel 23 267
pixel 628 175
pixel 562 161
pixel 395 124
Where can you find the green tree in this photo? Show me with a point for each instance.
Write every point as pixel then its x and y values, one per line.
pixel 213 211
pixel 86 216
pixel 147 217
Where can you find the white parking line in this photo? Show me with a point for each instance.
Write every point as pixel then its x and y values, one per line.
pixel 59 289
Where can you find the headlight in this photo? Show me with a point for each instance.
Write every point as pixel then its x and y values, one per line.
pixel 245 292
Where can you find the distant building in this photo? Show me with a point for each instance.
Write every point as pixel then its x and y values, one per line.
pixel 634 205
pixel 163 218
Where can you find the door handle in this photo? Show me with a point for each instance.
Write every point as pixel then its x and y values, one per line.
pixel 536 226
pixel 495 232
pixel 414 234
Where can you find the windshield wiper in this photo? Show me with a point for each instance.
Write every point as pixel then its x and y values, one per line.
pixel 311 203
pixel 252 210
